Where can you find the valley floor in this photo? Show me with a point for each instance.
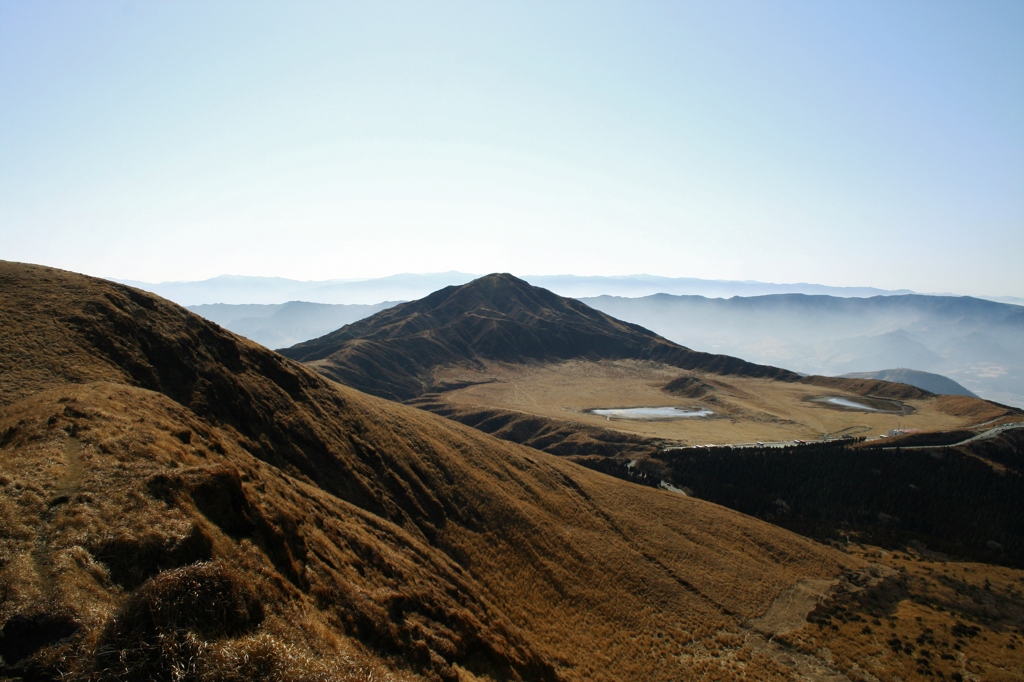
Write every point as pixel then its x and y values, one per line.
pixel 745 409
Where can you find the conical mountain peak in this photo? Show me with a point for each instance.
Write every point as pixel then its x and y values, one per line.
pixel 498 317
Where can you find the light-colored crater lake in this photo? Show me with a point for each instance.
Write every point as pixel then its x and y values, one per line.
pixel 651 413
pixel 845 402
pixel 864 404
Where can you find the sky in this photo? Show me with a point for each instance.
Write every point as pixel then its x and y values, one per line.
pixel 842 143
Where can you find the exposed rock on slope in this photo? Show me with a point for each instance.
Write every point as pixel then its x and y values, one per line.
pixel 177 502
pixel 495 318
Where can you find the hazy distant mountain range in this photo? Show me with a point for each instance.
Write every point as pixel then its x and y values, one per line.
pixel 275 290
pixel 237 289
pixel 285 324
pixel 977 343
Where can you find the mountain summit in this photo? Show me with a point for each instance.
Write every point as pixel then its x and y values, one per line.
pixel 494 318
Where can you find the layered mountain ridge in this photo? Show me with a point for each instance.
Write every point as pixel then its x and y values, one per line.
pixel 285 324
pixel 975 342
pixel 525 365
pixel 234 289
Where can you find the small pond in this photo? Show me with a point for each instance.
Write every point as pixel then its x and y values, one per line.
pixel 846 402
pixel 864 404
pixel 652 413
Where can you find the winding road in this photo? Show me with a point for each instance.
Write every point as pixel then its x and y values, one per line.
pixel 984 435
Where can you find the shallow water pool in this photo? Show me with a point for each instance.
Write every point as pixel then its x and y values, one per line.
pixel 846 402
pixel 653 412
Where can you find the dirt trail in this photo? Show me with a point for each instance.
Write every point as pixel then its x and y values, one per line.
pixel 802 666
pixel 72 478
pixel 68 485
pixel 787 613
pixel 789 610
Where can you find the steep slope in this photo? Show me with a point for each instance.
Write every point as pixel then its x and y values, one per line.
pixel 178 502
pixel 495 318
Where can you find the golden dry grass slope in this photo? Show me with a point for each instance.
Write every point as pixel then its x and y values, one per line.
pixel 178 503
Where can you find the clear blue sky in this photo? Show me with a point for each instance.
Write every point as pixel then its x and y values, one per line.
pixel 844 143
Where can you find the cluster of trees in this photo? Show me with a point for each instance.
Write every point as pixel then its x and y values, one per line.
pixel 947 499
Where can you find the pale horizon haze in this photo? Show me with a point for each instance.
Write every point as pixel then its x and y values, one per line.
pixel 841 143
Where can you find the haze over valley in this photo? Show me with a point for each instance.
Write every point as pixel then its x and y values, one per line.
pixel 977 343
pixel 284 324
pixel 230 289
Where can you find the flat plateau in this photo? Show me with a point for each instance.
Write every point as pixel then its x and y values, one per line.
pixel 745 409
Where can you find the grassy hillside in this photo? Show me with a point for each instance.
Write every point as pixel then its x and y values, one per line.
pixel 179 503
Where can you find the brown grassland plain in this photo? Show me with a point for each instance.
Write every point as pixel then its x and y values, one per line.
pixel 746 409
pixel 178 503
